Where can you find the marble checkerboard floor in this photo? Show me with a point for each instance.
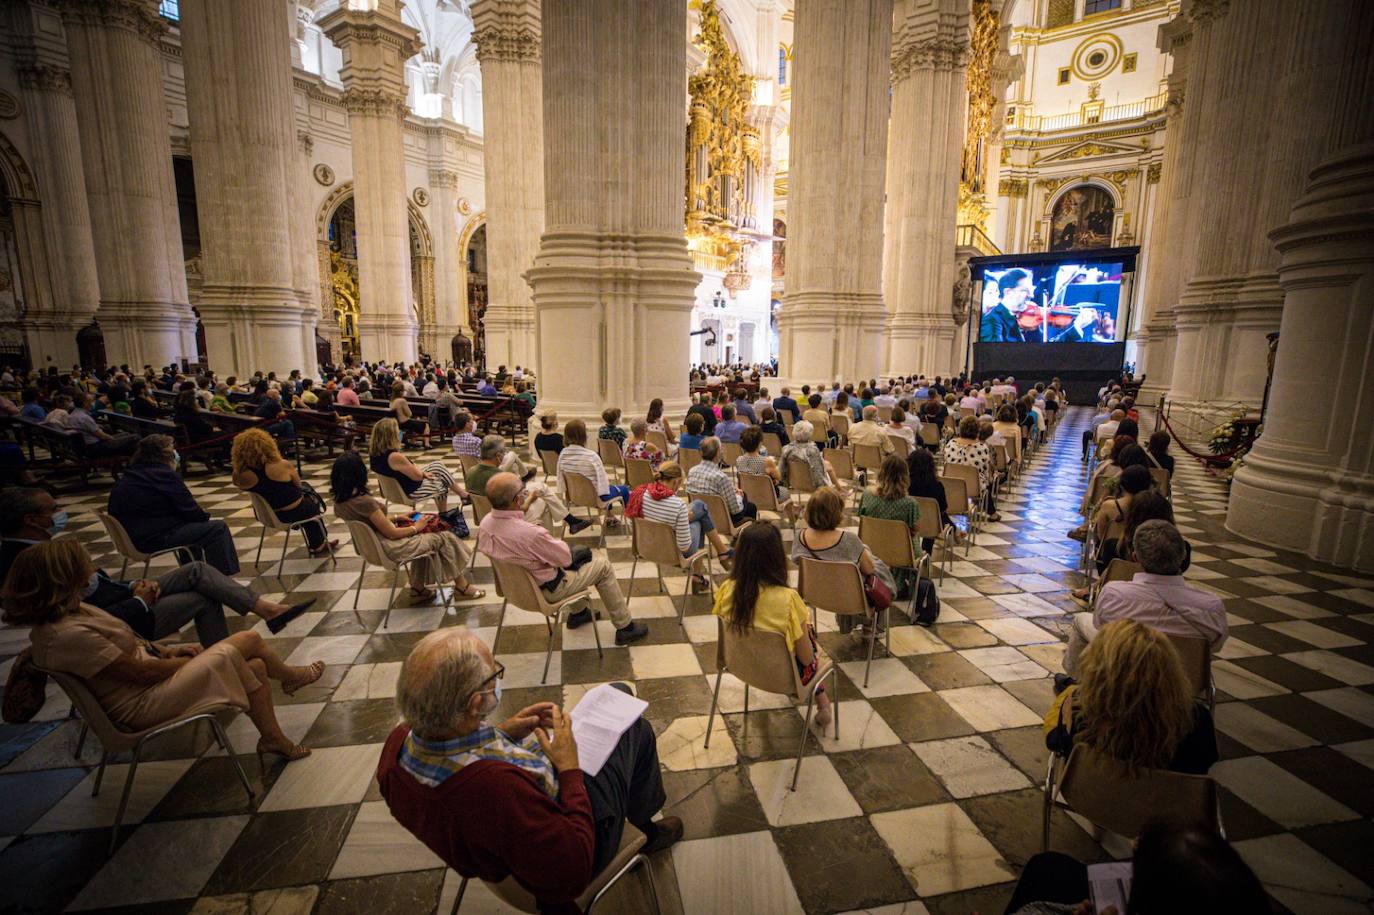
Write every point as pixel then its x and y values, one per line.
pixel 928 802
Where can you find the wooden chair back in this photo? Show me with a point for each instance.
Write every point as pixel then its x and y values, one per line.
pixel 868 457
pixel 900 446
pixel 799 476
pixel 930 434
pixel 885 414
pixel 1196 655
pixel 688 458
pixel 842 461
pixel 582 492
pixel 656 542
pixel 638 471
pixel 889 541
pixel 1102 790
pixel 758 488
pixel 956 495
pixel 758 657
pixel 550 460
pixel 834 586
pixel 730 452
pixel 481 506
pixel 658 439
pixel 966 472
pixel 610 453
pixel 772 444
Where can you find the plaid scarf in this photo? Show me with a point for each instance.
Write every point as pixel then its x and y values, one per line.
pixel 657 491
pixel 432 763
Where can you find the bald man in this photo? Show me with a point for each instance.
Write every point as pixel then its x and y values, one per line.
pixel 511 799
pixel 506 536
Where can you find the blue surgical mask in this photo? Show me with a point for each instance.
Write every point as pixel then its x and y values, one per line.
pixel 91 585
pixel 176 459
pixel 59 522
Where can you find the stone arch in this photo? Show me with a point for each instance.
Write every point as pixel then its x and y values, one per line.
pixel 471 309
pixel 18 177
pixel 326 211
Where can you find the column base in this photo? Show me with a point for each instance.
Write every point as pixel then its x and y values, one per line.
pixel 830 336
pixel 510 335
pixel 243 337
pixel 388 338
pixel 1295 505
pixel 147 333
pixel 52 337
pixel 919 344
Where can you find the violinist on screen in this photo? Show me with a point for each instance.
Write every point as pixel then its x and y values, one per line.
pixel 999 324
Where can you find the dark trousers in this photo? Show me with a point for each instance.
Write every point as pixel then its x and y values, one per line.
pixel 198 592
pixel 629 787
pixel 1088 435
pixel 284 429
pixel 119 443
pixel 212 537
pixel 748 512
pixel 1050 877
pixel 315 532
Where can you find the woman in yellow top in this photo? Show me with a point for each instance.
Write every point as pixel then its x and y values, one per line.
pixel 757 596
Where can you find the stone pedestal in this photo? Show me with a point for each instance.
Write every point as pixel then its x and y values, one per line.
pixel 375 45
pixel 831 322
pixel 243 140
pixel 506 33
pixel 116 75
pixel 928 99
pixel 612 283
pixel 1308 484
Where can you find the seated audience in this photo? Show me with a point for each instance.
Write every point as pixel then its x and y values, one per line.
pixel 507 537
pixel 139 683
pixel 822 539
pixel 1158 452
pixel 702 407
pixel 729 428
pixel 153 608
pixel 1149 505
pixel 510 799
pixel 743 408
pixel 871 432
pixel 189 415
pixel 965 448
pixel 819 419
pixel 435 481
pixel 610 429
pixel 655 422
pixel 97 441
pixel 1133 702
pixel 270 408
pixel 754 459
pixel 153 504
pixel 707 477
pixel 639 448
pixel 1157 597
pixel 577 458
pixel 691 439
pixel 897 426
pixel 433 556
pixel 784 401
pixel 804 450
pixel 548 438
pixel 889 500
pixel 539 505
pixel 769 422
pixel 691 523
pixel 925 484
pixel 757 596
pixel 258 467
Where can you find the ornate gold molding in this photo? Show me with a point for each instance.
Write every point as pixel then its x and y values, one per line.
pixel 721 145
pixel 1152 172
pixel 506 42
pixel 1050 185
pixel 1120 177
pixel 1012 187
pixel 984 39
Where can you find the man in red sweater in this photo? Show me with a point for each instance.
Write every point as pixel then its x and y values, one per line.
pixel 510 799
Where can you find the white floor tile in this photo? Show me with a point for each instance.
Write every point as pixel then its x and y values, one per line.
pixel 739 873
pixel 1278 794
pixel 821 793
pixel 989 708
pixel 377 844
pixel 969 766
pixel 328 776
pixel 941 850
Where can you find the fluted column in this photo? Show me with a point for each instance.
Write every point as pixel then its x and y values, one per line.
pixel 506 33
pixel 243 139
pixel 1157 338
pixel 831 321
pixel 375 45
pixel 305 258
pixel 116 74
pixel 613 284
pixel 65 299
pixel 928 57
pixel 448 270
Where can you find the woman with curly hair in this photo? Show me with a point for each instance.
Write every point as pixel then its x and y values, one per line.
pixel 1133 703
pixel 256 466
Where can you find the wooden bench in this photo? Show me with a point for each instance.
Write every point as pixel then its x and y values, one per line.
pixel 67 452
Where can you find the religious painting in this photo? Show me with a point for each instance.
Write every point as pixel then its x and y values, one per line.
pixel 1082 218
pixel 779 249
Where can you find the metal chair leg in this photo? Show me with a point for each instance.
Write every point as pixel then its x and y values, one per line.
pixel 261 537
pixel 80 741
pixel 124 798
pixel 359 593
pixel 391 598
pixel 458 900
pixel 100 773
pixel 596 634
pixel 281 566
pixel 801 748
pixel 553 633
pixel 223 740
pixel 872 643
pixel 496 640
pixel 711 716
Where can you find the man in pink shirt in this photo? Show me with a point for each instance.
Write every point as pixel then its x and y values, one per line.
pixel 1158 597
pixel 347 396
pixel 505 536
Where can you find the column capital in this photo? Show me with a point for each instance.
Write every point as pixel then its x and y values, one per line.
pixel 929 54
pixel 1209 10
pixel 443 177
pixel 45 77
pixel 138 16
pixel 375 45
pixel 506 30
pixel 375 101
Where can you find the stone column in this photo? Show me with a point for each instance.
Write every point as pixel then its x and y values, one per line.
pixel 830 324
pixel 506 33
pixel 613 284
pixel 1308 484
pixel 305 260
pixel 928 100
pixel 243 140
pixel 375 45
pixel 448 263
pixel 65 299
pixel 1156 340
pixel 116 75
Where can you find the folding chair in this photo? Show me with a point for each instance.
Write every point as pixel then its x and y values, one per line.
pixel 885 414
pixel 270 522
pixel 114 739
pixel 1102 790
pixel 758 488
pixel 656 542
pixel 762 660
pixel 467 462
pixel 688 458
pixel 930 435
pixel 1160 477
pixel 391 491
pixel 839 588
pixel 582 494
pixel 930 525
pixel 900 446
pixel 1196 655
pixel 890 541
pixel 550 462
pixel 839 424
pixel 720 514
pixel 519 587
pixel 957 498
pixel 368 544
pixel 1117 570
pixel 638 471
pixel 124 545
pixel 611 455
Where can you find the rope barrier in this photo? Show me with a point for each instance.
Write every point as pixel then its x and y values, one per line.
pixel 1220 460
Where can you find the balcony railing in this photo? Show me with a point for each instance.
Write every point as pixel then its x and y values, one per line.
pixel 970 236
pixel 1088 116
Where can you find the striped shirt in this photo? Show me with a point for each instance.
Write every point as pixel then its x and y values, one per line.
pixel 707 477
pixel 583 462
pixel 672 512
pixel 432 763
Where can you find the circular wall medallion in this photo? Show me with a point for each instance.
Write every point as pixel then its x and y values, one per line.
pixel 324 174
pixel 420 196
pixel 464 206
pixel 1096 56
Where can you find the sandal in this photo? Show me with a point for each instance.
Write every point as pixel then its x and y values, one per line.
pixel 291 753
pixel 470 594
pixel 313 673
pixel 423 594
pixel 326 549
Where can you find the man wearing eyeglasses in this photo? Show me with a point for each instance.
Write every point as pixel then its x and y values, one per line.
pixel 510 799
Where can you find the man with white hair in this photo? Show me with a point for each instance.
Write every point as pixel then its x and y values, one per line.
pixel 871 432
pixel 1157 597
pixel 511 799
pixel 539 505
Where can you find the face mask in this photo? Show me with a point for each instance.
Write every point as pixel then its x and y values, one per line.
pixel 176 459
pixel 59 521
pixel 91 585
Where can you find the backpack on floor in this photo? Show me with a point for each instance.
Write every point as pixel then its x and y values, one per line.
pixel 926 608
